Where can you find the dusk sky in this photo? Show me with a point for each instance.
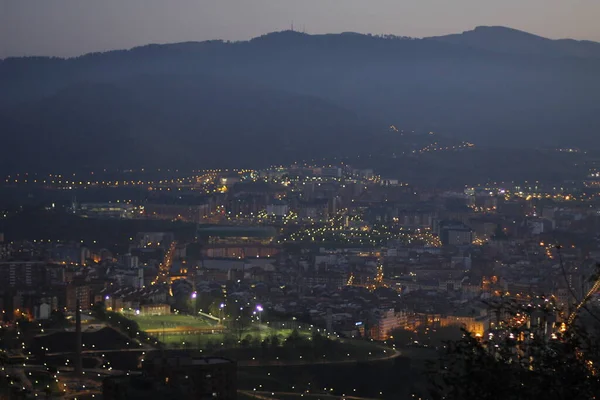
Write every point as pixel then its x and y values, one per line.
pixel 73 27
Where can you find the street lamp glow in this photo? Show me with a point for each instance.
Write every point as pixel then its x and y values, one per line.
pixel 259 308
pixel 194 295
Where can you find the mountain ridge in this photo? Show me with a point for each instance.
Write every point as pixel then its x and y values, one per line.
pixel 505 39
pixel 470 90
pixel 480 29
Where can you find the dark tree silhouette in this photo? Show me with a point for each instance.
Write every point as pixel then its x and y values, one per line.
pixel 521 358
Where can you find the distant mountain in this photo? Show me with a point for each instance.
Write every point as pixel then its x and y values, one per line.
pixel 189 121
pixel 513 41
pixel 308 95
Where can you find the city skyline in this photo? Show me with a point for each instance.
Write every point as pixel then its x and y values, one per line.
pixel 67 28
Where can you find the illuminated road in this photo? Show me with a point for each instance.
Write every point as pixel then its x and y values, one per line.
pixel 394 354
pixel 264 395
pixel 164 269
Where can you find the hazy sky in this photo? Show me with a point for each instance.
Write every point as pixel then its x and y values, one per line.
pixel 73 27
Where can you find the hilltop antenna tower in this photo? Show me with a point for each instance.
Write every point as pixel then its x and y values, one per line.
pixel 292 26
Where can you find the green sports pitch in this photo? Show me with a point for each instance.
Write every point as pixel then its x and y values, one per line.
pixel 171 321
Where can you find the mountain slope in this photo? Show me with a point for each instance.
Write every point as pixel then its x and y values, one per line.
pixel 478 93
pixel 188 121
pixel 513 41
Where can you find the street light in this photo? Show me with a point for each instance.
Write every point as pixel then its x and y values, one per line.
pixel 194 295
pixel 260 309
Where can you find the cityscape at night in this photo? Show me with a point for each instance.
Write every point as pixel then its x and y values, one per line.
pixel 298 214
pixel 285 266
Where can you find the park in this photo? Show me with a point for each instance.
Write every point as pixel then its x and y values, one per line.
pixel 258 343
pixel 170 321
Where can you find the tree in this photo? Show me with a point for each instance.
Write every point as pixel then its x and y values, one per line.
pixel 256 342
pixel 472 370
pixel 240 320
pixel 246 341
pixel 294 339
pixel 320 344
pixel 519 361
pixel 215 308
pixel 264 345
pixel 403 337
pixel 99 311
pixel 275 342
pixel 230 340
pixel 58 319
pixel 441 335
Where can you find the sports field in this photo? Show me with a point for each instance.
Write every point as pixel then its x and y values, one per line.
pixel 171 321
pixel 200 340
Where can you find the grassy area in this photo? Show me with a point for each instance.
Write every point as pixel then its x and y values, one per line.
pixel 192 340
pixel 201 340
pixel 256 343
pixel 171 321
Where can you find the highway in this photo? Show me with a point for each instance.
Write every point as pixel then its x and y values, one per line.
pixel 392 355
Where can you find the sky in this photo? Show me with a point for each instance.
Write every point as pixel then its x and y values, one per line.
pixel 72 27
